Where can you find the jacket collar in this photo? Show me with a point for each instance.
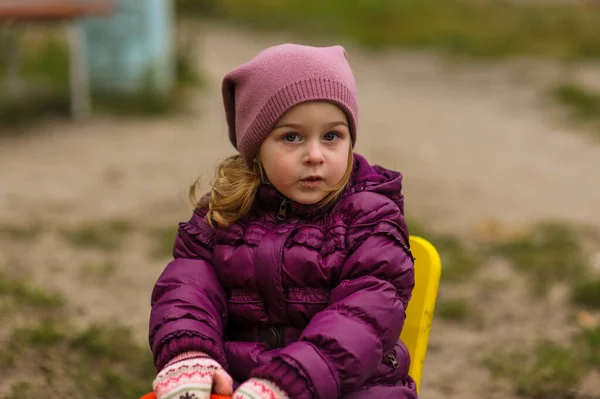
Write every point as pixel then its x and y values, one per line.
pixel 364 177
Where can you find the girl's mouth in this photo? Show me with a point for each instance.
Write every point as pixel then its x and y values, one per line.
pixel 311 181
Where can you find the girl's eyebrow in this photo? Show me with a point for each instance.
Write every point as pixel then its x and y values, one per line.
pixel 299 125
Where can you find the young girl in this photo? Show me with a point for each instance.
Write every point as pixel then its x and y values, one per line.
pixel 292 277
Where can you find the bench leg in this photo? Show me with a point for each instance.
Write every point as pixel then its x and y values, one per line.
pixel 80 85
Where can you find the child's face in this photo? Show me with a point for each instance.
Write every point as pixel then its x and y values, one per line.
pixel 307 151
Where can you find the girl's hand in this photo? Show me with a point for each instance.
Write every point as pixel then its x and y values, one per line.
pixel 257 388
pixel 192 374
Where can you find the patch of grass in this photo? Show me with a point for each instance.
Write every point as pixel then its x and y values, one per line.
pixel 25 295
pixel 582 103
pixel 564 30
pixel 44 84
pixel 164 238
pixel 62 361
pixel 551 253
pixel 457 309
pixel 198 8
pixel 99 362
pixel 589 343
pixel 504 364
pixel 491 285
pixel 186 69
pixel 553 371
pixel 591 340
pixel 20 232
pixel 459 261
pixel 97 341
pixel 587 293
pixel 49 62
pixel 30 108
pixel 101 270
pixel 45 334
pixel 105 235
pixel 21 389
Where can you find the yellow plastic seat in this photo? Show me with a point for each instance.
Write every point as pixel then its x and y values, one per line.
pixel 419 315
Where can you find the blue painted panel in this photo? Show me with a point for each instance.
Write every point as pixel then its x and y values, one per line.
pixel 132 48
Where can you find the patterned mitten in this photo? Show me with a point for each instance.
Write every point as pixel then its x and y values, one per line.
pixel 192 375
pixel 258 388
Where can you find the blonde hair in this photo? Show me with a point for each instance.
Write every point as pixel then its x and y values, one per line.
pixel 235 187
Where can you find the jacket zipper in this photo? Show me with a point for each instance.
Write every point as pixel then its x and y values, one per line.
pixel 282 209
pixel 393 360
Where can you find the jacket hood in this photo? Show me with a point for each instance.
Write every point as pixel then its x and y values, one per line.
pixel 377 179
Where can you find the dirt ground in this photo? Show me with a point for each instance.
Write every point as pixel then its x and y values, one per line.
pixel 474 143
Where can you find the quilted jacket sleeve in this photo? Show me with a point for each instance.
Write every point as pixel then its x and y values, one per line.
pixel 188 301
pixel 344 343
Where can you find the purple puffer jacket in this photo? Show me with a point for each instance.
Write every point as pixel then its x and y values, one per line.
pixel 315 301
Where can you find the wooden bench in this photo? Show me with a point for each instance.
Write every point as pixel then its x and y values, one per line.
pixel 16 13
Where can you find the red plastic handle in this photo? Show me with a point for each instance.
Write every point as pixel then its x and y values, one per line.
pixel 212 396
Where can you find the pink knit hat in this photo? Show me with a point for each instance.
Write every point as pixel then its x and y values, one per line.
pixel 258 93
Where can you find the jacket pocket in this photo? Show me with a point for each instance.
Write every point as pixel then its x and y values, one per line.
pixel 304 303
pixel 246 309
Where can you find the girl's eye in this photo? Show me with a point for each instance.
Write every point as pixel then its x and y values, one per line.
pixel 291 137
pixel 331 136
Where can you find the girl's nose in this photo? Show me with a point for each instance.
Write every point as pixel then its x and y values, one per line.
pixel 314 154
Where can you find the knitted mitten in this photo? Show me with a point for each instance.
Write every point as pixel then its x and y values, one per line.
pixel 258 388
pixel 191 375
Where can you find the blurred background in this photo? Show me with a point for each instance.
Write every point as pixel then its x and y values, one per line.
pixel 491 110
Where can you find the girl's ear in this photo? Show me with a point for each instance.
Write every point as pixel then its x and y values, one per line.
pixel 260 170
